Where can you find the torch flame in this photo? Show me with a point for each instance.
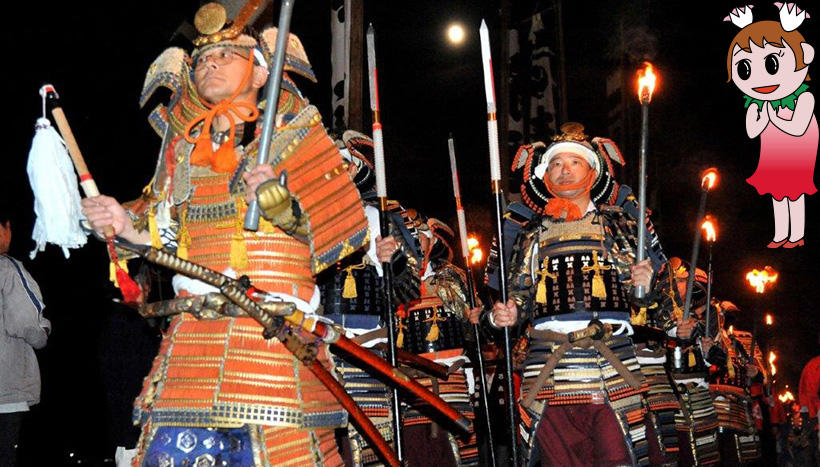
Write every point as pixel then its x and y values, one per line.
pixel 708 227
pixel 769 319
pixel 646 83
pixel 772 358
pixel 759 279
pixel 786 397
pixel 709 179
pixel 476 253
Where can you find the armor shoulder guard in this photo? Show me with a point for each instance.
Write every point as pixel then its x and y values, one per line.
pixel 517 217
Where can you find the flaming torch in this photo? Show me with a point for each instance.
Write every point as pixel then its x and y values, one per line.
pixel 710 232
pixel 476 253
pixel 646 86
pixel 772 358
pixel 708 181
pixel 769 319
pixel 759 280
pixel 498 194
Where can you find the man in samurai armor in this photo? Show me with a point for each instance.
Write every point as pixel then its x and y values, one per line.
pixel 758 385
pixel 807 419
pixel 218 392
pixel 691 355
pixel 571 278
pixel 352 290
pixel 739 441
pixel 434 327
pixel 651 341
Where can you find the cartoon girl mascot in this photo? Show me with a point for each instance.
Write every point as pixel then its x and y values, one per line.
pixel 768 61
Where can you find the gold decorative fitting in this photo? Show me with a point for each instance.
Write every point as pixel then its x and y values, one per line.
pixel 210 18
pixel 571 131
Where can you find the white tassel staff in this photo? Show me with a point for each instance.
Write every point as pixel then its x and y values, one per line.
pixel 56 195
pixel 131 292
pixel 495 181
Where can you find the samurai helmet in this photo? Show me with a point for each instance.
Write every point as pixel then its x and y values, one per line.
pixel 534 158
pixel 682 269
pixel 357 149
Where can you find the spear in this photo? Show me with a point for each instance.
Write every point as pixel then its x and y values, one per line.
pixel 384 221
pixel 495 182
pixel 272 99
pixel 465 250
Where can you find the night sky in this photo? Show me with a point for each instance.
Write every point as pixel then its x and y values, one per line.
pixel 97 56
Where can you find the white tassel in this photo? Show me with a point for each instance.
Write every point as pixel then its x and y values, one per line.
pixel 56 197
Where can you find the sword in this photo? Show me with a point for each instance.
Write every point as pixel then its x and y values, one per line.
pixel 239 292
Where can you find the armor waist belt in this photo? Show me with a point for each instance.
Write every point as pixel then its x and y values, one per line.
pixel 555 357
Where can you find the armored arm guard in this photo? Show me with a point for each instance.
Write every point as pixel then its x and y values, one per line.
pixel 620 228
pixel 668 308
pixel 279 207
pixel 520 276
pixel 516 219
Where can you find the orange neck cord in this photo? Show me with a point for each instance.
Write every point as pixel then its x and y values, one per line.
pixel 557 205
pixel 224 159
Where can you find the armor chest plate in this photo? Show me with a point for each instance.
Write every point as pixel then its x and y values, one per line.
pixel 573 271
pixel 276 262
pixel 429 327
pixel 352 286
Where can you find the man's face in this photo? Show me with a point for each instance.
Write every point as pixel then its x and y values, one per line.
pixel 5 237
pixel 567 168
pixel 219 71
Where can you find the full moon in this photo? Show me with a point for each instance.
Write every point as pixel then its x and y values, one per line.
pixel 455 33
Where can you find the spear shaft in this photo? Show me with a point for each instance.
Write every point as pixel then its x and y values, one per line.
pixel 465 250
pixel 384 221
pixel 495 182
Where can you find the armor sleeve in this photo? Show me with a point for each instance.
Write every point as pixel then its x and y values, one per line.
pixel 654 250
pixel 406 261
pixel 516 218
pixel 406 277
pixel 520 277
pixel 668 304
pixel 716 355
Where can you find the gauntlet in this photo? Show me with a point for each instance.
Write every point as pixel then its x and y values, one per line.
pixel 279 207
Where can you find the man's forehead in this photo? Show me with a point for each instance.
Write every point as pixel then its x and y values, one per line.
pixel 567 155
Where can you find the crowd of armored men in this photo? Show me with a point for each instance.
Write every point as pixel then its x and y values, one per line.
pixel 614 360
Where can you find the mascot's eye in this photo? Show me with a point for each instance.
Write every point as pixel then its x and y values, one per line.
pixel 771 63
pixel 744 69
